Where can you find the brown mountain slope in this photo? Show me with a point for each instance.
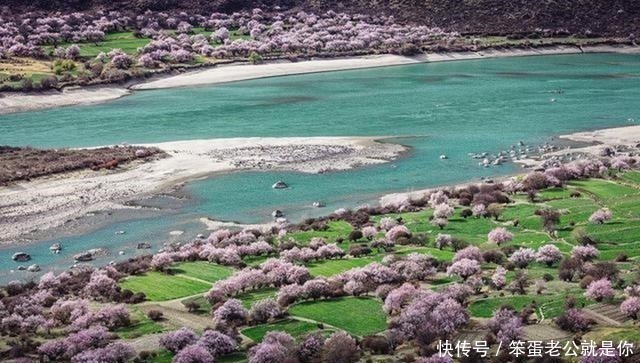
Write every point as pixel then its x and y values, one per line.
pixel 598 17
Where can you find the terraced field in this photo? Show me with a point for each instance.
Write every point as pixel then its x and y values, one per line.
pixel 363 316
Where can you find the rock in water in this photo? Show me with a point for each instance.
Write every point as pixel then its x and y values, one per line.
pixel 21 257
pixel 83 257
pixel 318 204
pixel 89 255
pixel 280 185
pixel 277 214
pixel 55 248
pixel 33 268
pixel 143 246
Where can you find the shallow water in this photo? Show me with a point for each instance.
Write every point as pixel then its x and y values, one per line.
pixel 441 108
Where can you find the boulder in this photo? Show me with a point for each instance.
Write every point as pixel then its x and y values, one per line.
pixel 280 185
pixel 277 214
pixel 33 268
pixel 83 257
pixel 89 255
pixel 21 257
pixel 143 246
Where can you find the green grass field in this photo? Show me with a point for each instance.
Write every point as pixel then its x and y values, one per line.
pixel 552 305
pixel 335 229
pixel 141 325
pixel 247 298
pixel 130 44
pixel 189 278
pixel 333 267
pixel 202 270
pixel 358 316
pixel 296 328
pixel 158 286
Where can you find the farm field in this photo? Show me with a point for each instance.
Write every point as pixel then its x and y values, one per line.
pixel 189 279
pixel 363 316
pixel 358 316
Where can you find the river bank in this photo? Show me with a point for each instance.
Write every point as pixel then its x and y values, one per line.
pixel 627 138
pixel 11 103
pixel 52 202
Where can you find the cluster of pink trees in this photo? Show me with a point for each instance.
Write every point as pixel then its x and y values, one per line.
pixel 599 290
pixel 281 347
pixel 272 272
pixel 500 235
pixel 189 348
pixel 428 316
pixel 522 257
pixel 257 34
pixel 549 255
pixel 92 344
pixel 307 254
pixel 585 253
pixel 506 325
pixel 600 216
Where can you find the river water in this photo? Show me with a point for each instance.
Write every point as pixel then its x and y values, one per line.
pixel 451 108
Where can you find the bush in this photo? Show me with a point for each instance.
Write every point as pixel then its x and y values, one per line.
pixel 63 66
pixel 377 344
pixel 622 257
pixel 586 281
pixel 49 83
pixel 357 251
pixel 355 235
pixel 255 58
pixel 155 315
pixel 493 256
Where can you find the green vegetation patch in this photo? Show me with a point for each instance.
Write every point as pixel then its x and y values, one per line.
pixel 333 267
pixel 295 328
pixel 334 230
pixel 202 270
pixel 550 305
pixel 159 286
pixel 250 298
pixel 356 315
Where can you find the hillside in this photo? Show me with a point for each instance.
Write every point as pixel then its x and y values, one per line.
pixel 582 17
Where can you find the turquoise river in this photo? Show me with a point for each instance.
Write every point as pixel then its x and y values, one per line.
pixel 450 108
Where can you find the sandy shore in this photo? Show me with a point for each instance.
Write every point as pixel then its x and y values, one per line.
pixel 236 72
pixel 51 202
pixel 18 102
pixel 627 137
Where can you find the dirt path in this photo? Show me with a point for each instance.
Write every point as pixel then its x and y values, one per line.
pixel 177 316
pixel 606 314
pixel 149 342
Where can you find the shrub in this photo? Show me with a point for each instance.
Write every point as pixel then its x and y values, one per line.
pixel 155 315
pixel 355 235
pixel 573 320
pixel 340 348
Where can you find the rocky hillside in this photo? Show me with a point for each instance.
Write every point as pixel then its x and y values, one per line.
pixel 581 17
